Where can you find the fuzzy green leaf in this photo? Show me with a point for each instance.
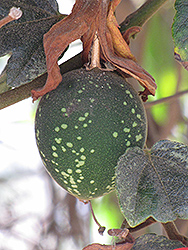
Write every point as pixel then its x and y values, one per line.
pixel 155 242
pixel 154 183
pixel 180 32
pixel 23 38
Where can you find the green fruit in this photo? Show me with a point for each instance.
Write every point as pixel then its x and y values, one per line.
pixel 84 126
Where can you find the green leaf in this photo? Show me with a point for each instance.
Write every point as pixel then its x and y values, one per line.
pixel 180 32
pixel 23 38
pixel 154 183
pixel 155 242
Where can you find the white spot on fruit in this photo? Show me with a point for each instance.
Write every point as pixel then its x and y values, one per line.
pixel 55 154
pixel 80 163
pixel 126 130
pixel 69 144
pixel 74 186
pixel 115 134
pixel 81 118
pixel 138 137
pixel 58 140
pixel 78 171
pixel 57 129
pixel 63 149
pixel 64 126
pixel 83 157
pixel 69 171
pixel 134 124
pixel 82 150
pixel 65 175
pixel 63 110
pixel 54 148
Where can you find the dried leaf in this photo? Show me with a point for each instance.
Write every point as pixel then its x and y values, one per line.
pixel 61 35
pixel 90 18
pixel 124 64
pixel 119 44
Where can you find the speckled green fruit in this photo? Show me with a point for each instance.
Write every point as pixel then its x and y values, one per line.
pixel 84 126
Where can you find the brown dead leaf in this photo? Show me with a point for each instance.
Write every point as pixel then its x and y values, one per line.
pixel 130 33
pixel 119 44
pixel 61 35
pixel 88 20
pixel 124 64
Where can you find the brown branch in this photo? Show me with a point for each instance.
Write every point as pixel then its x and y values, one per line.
pixel 24 91
pixel 141 15
pixel 165 99
pixel 144 224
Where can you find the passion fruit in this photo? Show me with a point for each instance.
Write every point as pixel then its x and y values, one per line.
pixel 83 127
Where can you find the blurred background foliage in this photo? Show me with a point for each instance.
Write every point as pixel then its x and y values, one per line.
pixel 36 214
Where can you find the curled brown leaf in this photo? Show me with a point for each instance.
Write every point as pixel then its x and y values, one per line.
pixel 124 64
pixel 88 20
pixel 61 35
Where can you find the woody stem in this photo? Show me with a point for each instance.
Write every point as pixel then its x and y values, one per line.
pixel 141 15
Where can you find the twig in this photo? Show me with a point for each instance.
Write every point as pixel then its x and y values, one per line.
pixel 24 91
pixel 165 99
pixel 146 223
pixel 173 233
pixel 101 229
pixel 141 15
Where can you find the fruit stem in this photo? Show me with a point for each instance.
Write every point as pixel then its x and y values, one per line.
pixel 95 53
pixel 101 229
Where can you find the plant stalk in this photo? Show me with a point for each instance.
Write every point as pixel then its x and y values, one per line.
pixel 24 91
pixel 141 15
